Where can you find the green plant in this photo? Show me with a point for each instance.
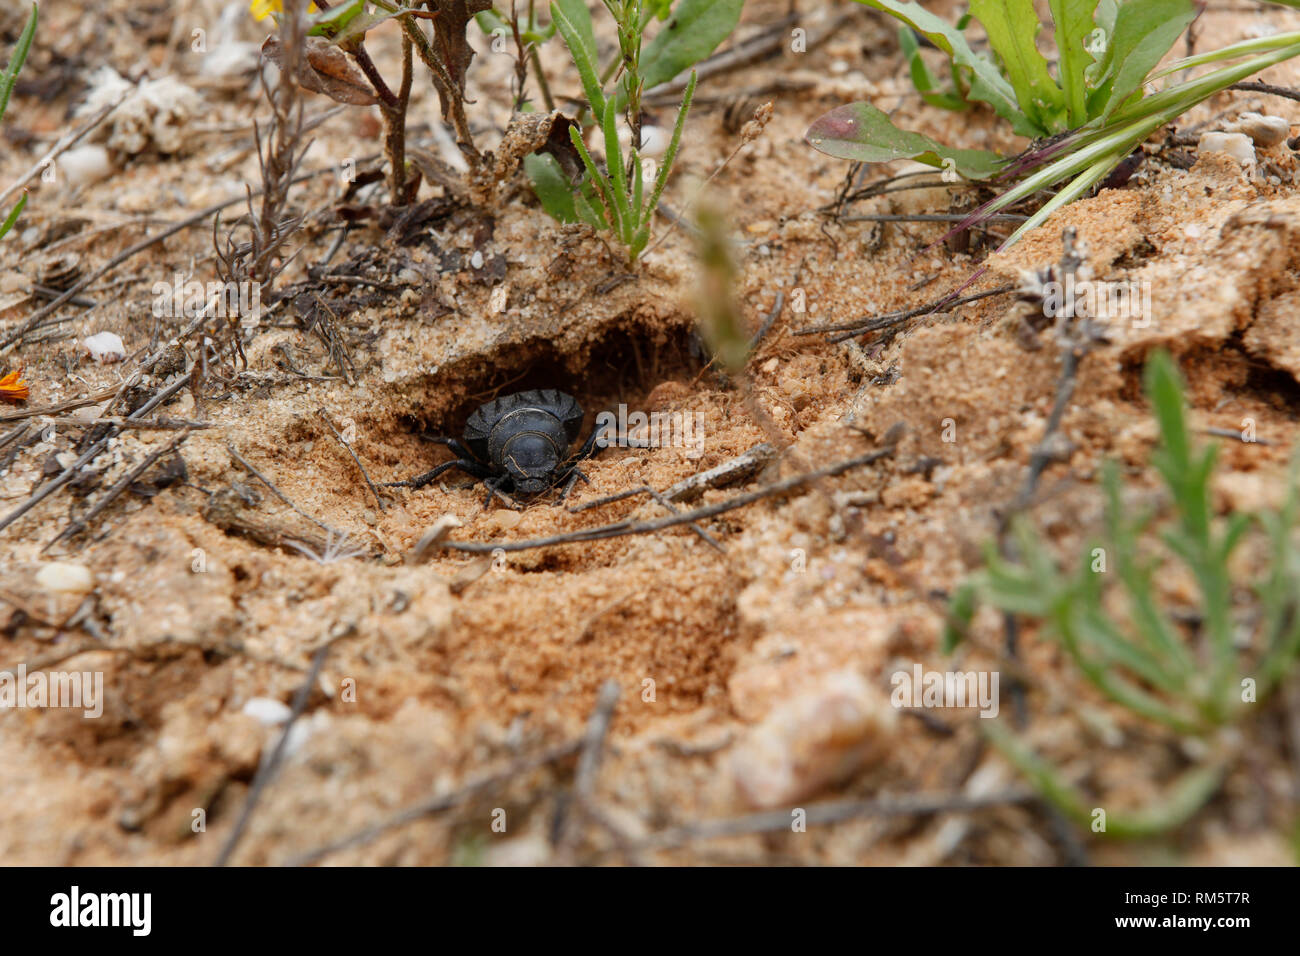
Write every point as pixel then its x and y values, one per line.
pixel 1087 115
pixel 612 195
pixel 1186 672
pixel 7 80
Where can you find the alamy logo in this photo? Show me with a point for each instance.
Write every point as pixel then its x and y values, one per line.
pixel 181 299
pixel 76 689
pixel 922 688
pixel 134 910
pixel 655 430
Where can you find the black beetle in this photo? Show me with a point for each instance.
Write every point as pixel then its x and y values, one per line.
pixel 520 441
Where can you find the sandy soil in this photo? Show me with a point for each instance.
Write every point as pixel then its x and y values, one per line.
pixel 755 679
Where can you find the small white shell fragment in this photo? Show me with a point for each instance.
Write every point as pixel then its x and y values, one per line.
pixel 1236 145
pixel 267 711
pixel 1264 131
pixel 654 141
pixel 104 347
pixel 83 165
pixel 63 577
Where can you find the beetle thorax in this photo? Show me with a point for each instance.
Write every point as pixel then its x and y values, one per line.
pixel 529 444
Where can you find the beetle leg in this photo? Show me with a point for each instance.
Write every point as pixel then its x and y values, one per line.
pixel 494 491
pixel 472 468
pixel 574 475
pixel 457 449
pixel 587 449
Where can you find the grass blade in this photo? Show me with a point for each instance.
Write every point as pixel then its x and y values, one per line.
pixel 16 61
pixel 13 215
pixel 574 21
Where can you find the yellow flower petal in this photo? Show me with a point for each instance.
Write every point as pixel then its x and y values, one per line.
pixel 262 9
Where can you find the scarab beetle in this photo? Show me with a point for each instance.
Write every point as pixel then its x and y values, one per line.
pixel 518 442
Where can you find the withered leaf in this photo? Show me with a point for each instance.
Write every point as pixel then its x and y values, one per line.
pixel 453 17
pixel 538 133
pixel 325 69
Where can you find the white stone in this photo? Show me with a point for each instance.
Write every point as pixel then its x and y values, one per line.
pixel 1236 145
pixel 66 578
pixel 1264 131
pixel 267 711
pixel 84 165
pixel 654 141
pixel 104 347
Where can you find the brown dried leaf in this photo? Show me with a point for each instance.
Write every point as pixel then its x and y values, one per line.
pixel 537 133
pixel 453 17
pixel 325 69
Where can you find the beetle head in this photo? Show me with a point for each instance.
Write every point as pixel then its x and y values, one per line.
pixel 531 460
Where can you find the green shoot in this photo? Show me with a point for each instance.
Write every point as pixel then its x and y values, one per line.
pixel 1087 114
pixel 612 195
pixel 1193 678
pixel 7 80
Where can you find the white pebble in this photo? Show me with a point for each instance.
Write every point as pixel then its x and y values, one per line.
pixel 104 347
pixel 83 165
pixel 654 141
pixel 1265 131
pixel 267 711
pixel 1236 145
pixel 64 578
pixel 476 260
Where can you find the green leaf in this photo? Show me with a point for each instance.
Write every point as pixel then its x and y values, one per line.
pixel 661 179
pixel 330 22
pixel 1165 390
pixel 624 226
pixel 574 21
pixel 551 186
pixel 13 215
pixel 987 83
pixel 1074 25
pixel 600 185
pixel 1143 33
pixel 865 134
pixel 961 611
pixel 1179 803
pixel 922 78
pixel 694 31
pixel 1012 27
pixel 10 76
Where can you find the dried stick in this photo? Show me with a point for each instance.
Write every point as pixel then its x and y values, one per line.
pixel 874 323
pixel 1251 86
pixel 80 524
pixel 69 405
pixel 94 451
pixel 625 528
pixel 132 251
pixel 276 491
pixel 269 768
pixel 65 143
pixel 362 468
pixel 153 424
pixel 662 500
pixel 589 760
pixel 439 804
pixel 824 814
